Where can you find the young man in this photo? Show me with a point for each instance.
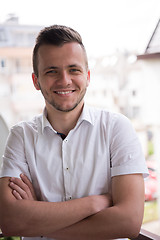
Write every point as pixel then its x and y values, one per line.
pixel 73 172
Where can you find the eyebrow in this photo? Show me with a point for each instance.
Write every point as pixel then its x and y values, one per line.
pixel 50 67
pixel 69 66
pixel 74 65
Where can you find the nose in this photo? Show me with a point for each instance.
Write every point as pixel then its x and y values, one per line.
pixel 65 78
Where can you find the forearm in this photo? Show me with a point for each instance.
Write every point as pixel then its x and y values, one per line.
pixel 122 220
pixel 111 223
pixel 25 217
pixel 35 218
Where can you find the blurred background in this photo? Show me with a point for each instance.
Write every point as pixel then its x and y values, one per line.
pixel 122 39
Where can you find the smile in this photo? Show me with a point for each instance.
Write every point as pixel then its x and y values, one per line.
pixel 63 93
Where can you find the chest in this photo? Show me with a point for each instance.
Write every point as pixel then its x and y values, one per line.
pixel 72 168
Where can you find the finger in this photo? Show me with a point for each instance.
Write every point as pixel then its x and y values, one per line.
pixel 18 190
pixel 27 184
pixel 26 180
pixel 22 188
pixel 20 183
pixel 16 195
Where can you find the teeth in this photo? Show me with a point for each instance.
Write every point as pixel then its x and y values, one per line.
pixel 64 92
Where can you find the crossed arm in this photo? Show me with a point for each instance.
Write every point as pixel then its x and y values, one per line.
pixel 87 218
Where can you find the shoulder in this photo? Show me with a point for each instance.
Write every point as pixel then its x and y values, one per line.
pixel 25 127
pixel 112 124
pixel 108 117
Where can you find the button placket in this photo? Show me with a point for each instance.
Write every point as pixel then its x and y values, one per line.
pixel 66 170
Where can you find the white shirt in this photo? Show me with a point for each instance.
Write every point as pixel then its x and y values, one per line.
pixel 79 165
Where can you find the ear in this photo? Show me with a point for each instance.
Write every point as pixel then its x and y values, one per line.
pixel 35 81
pixel 88 78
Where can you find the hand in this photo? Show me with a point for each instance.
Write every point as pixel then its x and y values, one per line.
pixel 22 188
pixel 100 202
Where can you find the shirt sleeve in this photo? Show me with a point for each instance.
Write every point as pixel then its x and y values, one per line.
pixel 125 149
pixel 14 160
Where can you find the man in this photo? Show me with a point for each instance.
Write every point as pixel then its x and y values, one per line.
pixel 73 172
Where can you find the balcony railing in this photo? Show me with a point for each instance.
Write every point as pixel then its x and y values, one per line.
pixel 146 235
pixel 143 235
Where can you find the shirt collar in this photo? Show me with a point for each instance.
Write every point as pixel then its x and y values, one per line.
pixel 85 116
pixel 45 122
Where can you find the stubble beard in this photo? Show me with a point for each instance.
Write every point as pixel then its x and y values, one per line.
pixel 58 106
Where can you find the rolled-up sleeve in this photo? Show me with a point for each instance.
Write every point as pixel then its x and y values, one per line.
pixel 125 149
pixel 14 160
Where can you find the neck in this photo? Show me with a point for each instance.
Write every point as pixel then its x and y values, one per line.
pixel 63 122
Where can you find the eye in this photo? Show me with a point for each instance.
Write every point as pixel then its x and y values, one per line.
pixel 53 71
pixel 74 70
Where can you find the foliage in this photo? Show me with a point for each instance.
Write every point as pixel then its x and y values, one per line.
pixel 150 148
pixel 10 238
pixel 150 211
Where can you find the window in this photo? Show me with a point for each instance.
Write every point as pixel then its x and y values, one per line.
pixel 3 64
pixel 2 36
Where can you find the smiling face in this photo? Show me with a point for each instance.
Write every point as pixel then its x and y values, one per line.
pixel 63 76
